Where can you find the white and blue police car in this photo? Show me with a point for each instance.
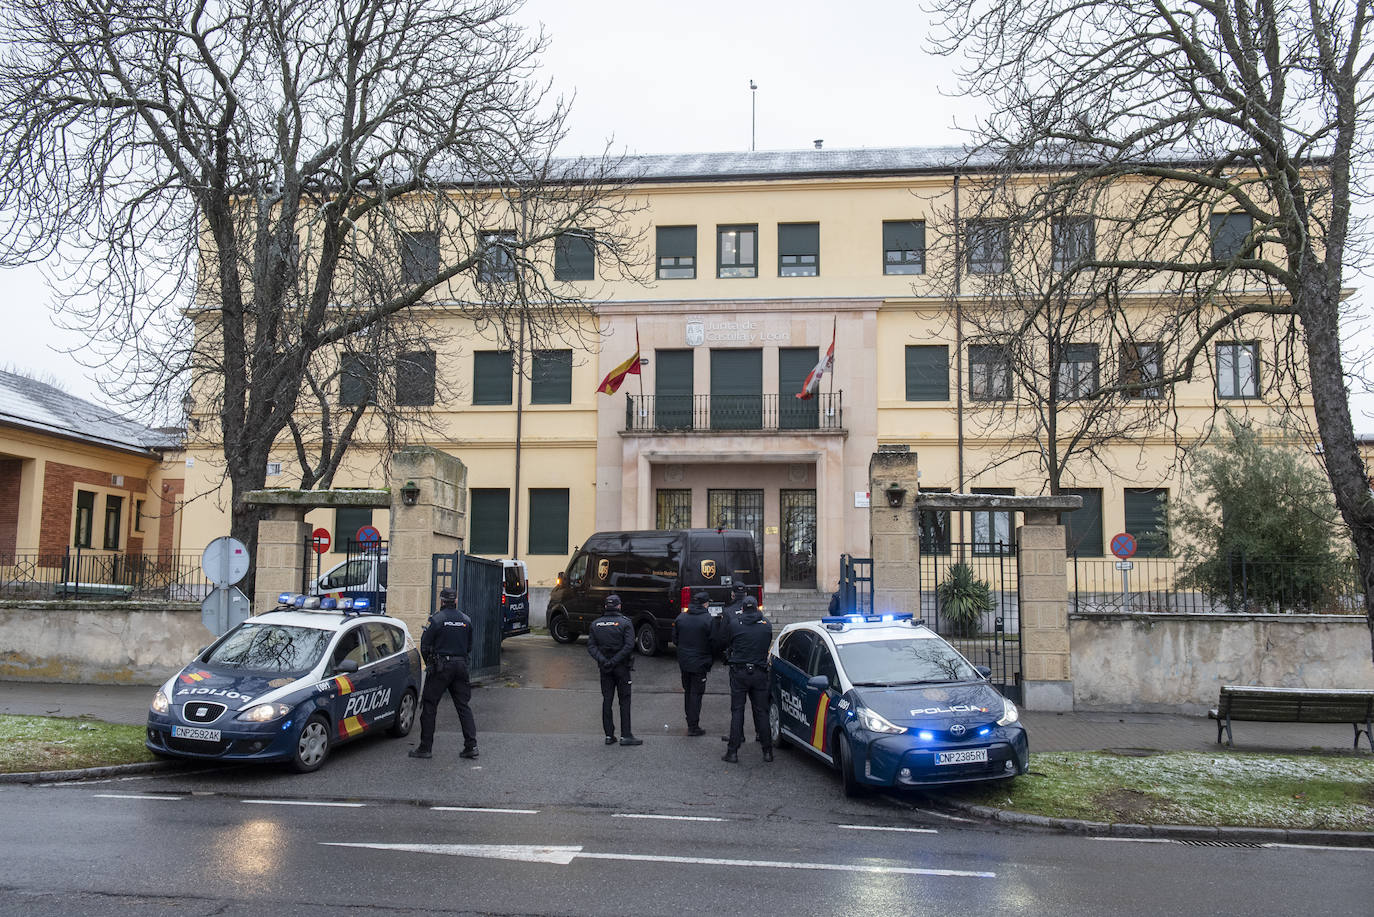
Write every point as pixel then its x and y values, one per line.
pixel 290 684
pixel 887 702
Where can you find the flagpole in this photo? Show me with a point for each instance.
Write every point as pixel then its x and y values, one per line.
pixel 638 370
pixel 833 326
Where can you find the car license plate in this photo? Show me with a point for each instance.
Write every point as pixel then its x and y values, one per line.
pixel 195 732
pixel 968 756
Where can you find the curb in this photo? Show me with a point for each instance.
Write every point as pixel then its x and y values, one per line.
pixel 1204 833
pixel 112 770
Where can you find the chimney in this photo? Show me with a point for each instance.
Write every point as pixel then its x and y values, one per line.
pixel 818 143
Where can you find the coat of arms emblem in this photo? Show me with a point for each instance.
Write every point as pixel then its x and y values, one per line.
pixel 696 334
pixel 708 569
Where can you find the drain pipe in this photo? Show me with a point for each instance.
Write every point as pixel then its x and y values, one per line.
pixel 959 352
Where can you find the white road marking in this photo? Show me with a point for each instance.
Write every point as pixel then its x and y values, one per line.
pixel 303 802
pixel 882 828
pixel 1136 840
pixel 482 809
pixel 565 855
pixel 668 817
pixel 1320 847
pixel 133 796
pixel 1275 844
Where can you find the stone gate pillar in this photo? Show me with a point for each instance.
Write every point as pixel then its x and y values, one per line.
pixel 433 525
pixel 1047 682
pixel 283 543
pixel 894 532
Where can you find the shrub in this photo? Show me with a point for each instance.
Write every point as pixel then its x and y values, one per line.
pixel 963 600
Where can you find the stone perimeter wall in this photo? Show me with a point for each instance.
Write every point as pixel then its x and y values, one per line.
pixel 1175 663
pixel 98 643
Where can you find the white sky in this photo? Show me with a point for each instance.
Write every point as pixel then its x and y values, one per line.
pixel 656 77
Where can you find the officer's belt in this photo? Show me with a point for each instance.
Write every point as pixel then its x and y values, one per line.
pixel 748 665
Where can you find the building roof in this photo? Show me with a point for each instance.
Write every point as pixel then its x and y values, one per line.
pixel 776 164
pixel 31 405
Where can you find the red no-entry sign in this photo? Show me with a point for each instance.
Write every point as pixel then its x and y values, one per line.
pixel 319 540
pixel 1123 545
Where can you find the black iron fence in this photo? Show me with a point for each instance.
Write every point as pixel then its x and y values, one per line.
pixel 1228 584
pixel 698 413
pixel 78 573
pixel 971 598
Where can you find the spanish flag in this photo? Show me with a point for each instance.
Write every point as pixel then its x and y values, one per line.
pixel 616 377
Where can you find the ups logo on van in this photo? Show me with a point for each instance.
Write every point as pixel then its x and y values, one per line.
pixel 603 569
pixel 708 569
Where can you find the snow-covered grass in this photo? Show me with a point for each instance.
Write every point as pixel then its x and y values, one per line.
pixel 1332 792
pixel 44 743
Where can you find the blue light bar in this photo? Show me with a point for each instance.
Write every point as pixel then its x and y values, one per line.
pixel 328 604
pixel 299 601
pixel 867 619
pixel 346 602
pixel 361 604
pixel 286 598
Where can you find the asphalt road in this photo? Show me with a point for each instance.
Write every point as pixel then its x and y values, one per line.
pixel 549 821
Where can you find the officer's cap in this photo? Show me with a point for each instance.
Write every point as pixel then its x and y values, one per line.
pixel 612 601
pixel 700 597
pixel 738 589
pixel 750 603
pixel 447 595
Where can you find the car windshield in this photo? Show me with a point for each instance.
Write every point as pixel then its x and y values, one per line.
pixel 272 648
pixel 912 661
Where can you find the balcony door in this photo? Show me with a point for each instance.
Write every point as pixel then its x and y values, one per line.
pixel 737 389
pixel 673 389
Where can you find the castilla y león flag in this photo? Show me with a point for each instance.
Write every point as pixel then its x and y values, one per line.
pixel 826 364
pixel 616 377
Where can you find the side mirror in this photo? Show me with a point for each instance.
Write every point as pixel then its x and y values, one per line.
pixel 984 671
pixel 348 666
pixel 819 682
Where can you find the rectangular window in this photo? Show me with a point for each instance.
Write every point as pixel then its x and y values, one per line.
pixel 273 469
pixel 1238 369
pixel 498 259
pixel 1083 526
pixel 492 375
pixel 551 377
pixel 85 513
pixel 677 252
pixel 989 372
pixel 1142 363
pixel 415 378
pixel 548 521
pixel 489 522
pixel 794 364
pixel 737 251
pixel 114 513
pixel 904 247
pixel 419 257
pixel 348 521
pixel 927 372
pixel 138 515
pixel 1147 518
pixel 799 249
pixel 1077 375
pixel 574 256
pixel 672 509
pixel 1229 231
pixel 357 380
pixel 1073 241
pixel 992 528
pixel 989 245
pixel 673 389
pixel 737 389
pixel 935 529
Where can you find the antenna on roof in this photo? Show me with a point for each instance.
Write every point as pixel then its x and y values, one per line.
pixel 753 99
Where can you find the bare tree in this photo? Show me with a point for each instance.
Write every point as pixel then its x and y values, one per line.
pixel 1228 136
pixel 268 199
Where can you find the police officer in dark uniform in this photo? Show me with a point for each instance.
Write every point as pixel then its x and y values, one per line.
pixel 736 606
pixel 746 639
pixel 692 636
pixel 444 645
pixel 611 642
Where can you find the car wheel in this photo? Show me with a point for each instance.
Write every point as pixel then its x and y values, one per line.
pixel 312 745
pixel 405 716
pixel 844 759
pixel 560 630
pixel 646 640
pixel 775 724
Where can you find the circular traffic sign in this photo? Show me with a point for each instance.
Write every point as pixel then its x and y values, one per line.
pixel 1123 545
pixel 369 533
pixel 225 561
pixel 319 540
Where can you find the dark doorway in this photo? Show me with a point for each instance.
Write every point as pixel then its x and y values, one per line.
pixel 797 510
pixel 738 509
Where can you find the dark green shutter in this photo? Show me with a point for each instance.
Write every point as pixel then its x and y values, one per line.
pixel 489 522
pixel 904 246
pixel 1147 518
pixel 794 365
pixel 799 238
pixel 1083 526
pixel 347 521
pixel 737 389
pixel 677 241
pixel 1228 234
pixel 415 378
pixel 574 257
pixel 548 521
pixel 927 372
pixel 673 389
pixel 492 375
pixel 551 377
pixel 356 380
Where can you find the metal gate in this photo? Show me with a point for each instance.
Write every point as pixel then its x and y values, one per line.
pixel 797 508
pixel 856 584
pixel 367 561
pixel 738 509
pixel 477 582
pixel 971 597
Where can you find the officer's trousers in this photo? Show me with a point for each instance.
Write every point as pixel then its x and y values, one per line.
pixel 450 674
pixel 693 690
pixel 616 682
pixel 749 682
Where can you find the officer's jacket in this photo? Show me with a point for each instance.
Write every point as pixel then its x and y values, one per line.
pixel 745 637
pixel 611 640
pixel 448 633
pixel 692 634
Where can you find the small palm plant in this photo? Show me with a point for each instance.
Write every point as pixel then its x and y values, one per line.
pixel 963 600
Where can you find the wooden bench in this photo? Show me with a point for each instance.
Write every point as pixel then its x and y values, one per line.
pixel 1295 705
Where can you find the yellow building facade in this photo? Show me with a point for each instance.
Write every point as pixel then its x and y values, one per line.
pixel 754 263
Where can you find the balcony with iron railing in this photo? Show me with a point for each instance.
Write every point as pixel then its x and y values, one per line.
pixel 822 413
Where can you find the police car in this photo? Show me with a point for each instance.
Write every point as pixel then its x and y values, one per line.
pixel 887 702
pixel 290 684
